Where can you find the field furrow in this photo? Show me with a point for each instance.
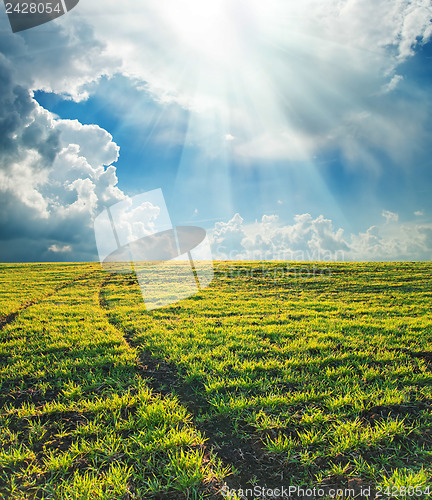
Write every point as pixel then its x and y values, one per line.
pixel 77 419
pixel 319 378
pixel 280 376
pixel 241 455
pixel 24 285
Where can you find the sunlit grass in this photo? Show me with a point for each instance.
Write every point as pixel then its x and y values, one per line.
pixel 329 375
pixel 312 355
pixel 77 419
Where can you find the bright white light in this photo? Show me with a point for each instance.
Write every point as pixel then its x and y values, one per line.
pixel 285 78
pixel 220 32
pixel 204 28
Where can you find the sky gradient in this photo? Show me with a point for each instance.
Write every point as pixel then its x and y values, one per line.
pixel 288 132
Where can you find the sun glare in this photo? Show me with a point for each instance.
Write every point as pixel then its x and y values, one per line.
pixel 205 28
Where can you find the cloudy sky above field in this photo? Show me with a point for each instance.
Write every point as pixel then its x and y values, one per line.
pixel 289 130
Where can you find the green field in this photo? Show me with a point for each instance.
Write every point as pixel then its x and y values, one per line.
pixel 276 375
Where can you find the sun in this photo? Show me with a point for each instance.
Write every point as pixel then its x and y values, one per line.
pixel 205 29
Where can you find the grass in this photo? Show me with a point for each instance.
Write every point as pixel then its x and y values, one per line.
pixel 77 418
pixel 283 376
pixel 23 284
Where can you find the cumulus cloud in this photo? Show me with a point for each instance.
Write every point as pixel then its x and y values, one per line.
pixel 316 239
pixel 227 237
pixel 63 57
pixel 55 175
pixel 402 242
pixel 307 239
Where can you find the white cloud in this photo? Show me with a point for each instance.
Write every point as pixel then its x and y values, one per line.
pixel 227 238
pixel 95 144
pixel 316 239
pixel 393 83
pixel 306 239
pixel 65 59
pixel 270 219
pixel 402 242
pixel 138 222
pixel 287 78
pixel 390 216
pixel 419 213
pixel 60 248
pixel 55 176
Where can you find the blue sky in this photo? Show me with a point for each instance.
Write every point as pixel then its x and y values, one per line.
pixel 286 131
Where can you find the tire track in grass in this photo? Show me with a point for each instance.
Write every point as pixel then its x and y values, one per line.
pixel 161 378
pixel 245 456
pixel 30 396
pixel 9 318
pixel 170 377
pixel 61 420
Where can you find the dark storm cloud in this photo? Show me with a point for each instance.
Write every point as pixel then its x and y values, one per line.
pixel 18 130
pixel 55 175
